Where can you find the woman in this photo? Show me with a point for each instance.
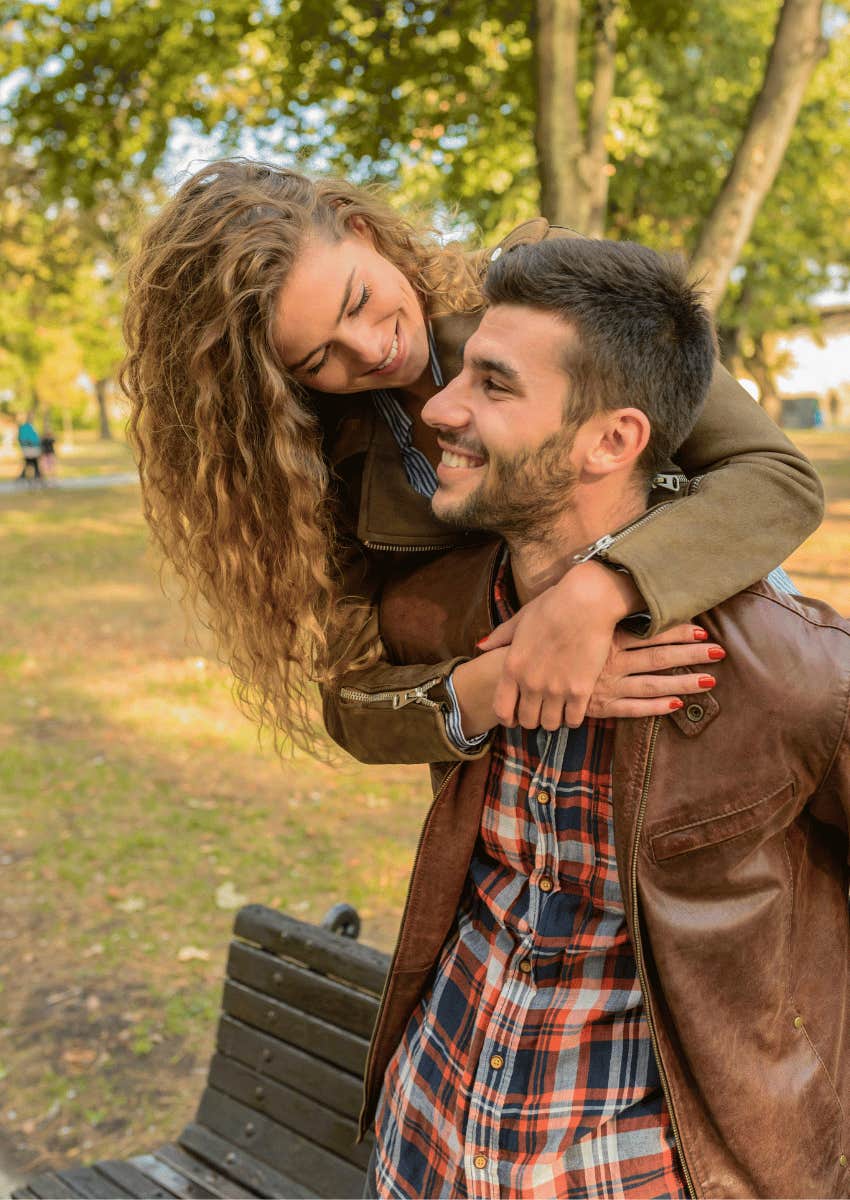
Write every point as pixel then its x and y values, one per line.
pixel 282 337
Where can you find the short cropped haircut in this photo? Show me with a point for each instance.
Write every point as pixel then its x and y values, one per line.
pixel 644 341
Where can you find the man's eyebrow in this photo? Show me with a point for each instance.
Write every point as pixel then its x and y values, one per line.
pixel 496 365
pixel 345 299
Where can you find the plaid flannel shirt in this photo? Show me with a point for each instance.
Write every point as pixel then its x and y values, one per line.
pixel 527 1069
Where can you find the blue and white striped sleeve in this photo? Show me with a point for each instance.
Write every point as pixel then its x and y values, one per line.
pixel 454 729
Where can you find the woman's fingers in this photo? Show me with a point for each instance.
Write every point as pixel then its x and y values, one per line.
pixel 663 658
pixel 502 635
pixel 689 634
pixel 636 708
pixel 667 687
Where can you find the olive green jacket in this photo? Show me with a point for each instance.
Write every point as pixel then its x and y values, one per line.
pixel 753 498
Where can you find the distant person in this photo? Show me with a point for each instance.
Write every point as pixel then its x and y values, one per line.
pixel 30 444
pixel 48 450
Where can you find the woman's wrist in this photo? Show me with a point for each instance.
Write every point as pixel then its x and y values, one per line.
pixel 595 588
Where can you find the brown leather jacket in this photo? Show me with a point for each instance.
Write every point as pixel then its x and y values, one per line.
pixel 731 827
pixel 754 498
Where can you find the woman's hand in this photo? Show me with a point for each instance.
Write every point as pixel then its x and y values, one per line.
pixel 563 652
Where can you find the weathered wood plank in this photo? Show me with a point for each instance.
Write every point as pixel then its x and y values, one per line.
pixel 200 1174
pixel 165 1176
pixel 339 1090
pixel 88 1182
pixel 281 1148
pixel 320 949
pixel 303 989
pixel 47 1183
pixel 128 1176
pixel 290 1109
pixel 262 1179
pixel 297 1028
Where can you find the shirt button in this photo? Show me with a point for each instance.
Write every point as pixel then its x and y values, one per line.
pixel 546 884
pixel 543 797
pixel 525 966
pixel 496 1062
pixel 479 1162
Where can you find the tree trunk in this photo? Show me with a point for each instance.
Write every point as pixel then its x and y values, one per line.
pixel 557 133
pixel 797 47
pixel 596 170
pixel 100 389
pixel 760 367
pixel 572 164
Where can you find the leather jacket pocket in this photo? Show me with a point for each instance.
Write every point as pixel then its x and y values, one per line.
pixel 770 813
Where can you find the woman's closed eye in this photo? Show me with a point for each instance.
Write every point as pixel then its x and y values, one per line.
pixel 365 293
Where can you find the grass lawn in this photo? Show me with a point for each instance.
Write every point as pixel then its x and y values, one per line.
pixel 137 811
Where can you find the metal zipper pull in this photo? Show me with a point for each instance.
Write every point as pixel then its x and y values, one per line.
pixel 598 547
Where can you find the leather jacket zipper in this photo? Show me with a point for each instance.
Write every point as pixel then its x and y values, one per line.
pixel 600 548
pixel 401 699
pixel 423 547
pixel 366 1071
pixel 639 959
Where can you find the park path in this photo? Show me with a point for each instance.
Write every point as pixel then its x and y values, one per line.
pixel 72 483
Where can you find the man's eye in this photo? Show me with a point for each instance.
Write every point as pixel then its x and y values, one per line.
pixel 361 303
pixel 492 385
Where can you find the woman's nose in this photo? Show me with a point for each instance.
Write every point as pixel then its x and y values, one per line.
pixel 366 347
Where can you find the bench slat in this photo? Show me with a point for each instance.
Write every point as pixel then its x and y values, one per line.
pixel 250 1172
pixel 290 1109
pixel 163 1175
pixel 134 1182
pixel 88 1182
pixel 317 948
pixel 282 1149
pixel 302 988
pixel 288 1065
pixel 297 1028
pixel 199 1174
pixel 47 1184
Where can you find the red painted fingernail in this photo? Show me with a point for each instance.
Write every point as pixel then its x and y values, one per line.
pixel 480 642
pixel 700 635
pixel 716 653
pixel 706 681
pixel 674 704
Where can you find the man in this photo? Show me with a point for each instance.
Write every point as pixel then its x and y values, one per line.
pixel 623 964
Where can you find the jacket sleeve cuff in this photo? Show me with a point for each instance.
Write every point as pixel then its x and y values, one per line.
pixel 454 726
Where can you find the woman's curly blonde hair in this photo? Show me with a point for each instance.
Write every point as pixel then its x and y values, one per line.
pixel 234 482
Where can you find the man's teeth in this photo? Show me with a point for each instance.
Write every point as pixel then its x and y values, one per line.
pixel 450 459
pixel 391 356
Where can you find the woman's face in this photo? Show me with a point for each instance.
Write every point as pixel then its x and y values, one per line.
pixel 347 320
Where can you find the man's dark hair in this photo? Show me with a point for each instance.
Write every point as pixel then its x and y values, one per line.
pixel 644 338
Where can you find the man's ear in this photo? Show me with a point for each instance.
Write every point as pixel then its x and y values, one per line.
pixel 614 441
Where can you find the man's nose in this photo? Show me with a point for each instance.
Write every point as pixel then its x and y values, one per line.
pixel 447 408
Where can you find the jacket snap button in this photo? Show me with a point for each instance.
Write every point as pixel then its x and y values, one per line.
pixel 695 712
pixel 798 1022
pixel 842 1162
pixel 480 1161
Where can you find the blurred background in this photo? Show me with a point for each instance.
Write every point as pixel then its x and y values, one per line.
pixel 137 810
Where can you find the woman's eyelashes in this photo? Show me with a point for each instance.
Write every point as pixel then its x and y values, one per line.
pixel 361 303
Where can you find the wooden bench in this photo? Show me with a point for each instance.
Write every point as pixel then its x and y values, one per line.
pixel 278 1116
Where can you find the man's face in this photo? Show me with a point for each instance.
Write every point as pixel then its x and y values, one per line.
pixel 506 445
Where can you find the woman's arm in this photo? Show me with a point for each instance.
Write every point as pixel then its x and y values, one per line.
pixel 753 499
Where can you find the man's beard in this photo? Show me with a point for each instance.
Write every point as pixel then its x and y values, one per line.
pixel 521 497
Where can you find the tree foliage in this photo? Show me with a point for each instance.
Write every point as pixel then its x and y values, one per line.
pixel 440 102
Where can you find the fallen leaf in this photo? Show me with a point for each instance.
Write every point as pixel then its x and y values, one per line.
pixel 131 904
pixel 227 897
pixel 187 953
